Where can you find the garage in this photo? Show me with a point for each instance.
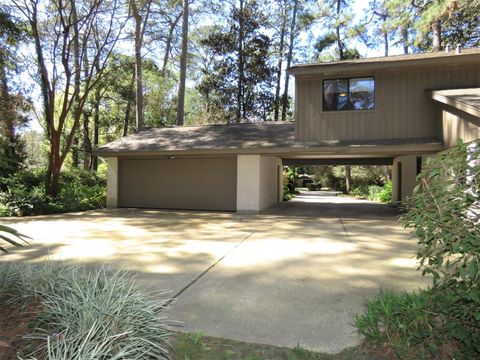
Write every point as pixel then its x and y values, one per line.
pixel 178 183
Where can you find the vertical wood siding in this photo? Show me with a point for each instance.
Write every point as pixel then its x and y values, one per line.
pixel 402 107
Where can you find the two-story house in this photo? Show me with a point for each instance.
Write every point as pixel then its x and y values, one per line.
pixel 379 111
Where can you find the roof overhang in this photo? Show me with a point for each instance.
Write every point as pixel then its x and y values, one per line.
pixel 349 151
pixel 466 100
pixel 396 62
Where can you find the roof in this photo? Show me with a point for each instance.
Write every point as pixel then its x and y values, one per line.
pixel 471 55
pixel 241 138
pixel 467 100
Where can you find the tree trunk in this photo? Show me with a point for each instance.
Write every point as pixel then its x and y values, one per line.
pixel 280 61
pixel 337 31
pixel 128 110
pixel 140 25
pixel 183 67
pixel 76 152
pixel 405 40
pixel 437 35
pixel 96 118
pixel 293 26
pixel 385 36
pixel 6 111
pixel 240 64
pixel 138 68
pixel 168 45
pixel 348 179
pixel 87 144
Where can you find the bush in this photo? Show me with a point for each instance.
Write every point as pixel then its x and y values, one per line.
pixel 444 214
pixel 87 315
pixel 374 192
pixel 79 190
pixel 385 195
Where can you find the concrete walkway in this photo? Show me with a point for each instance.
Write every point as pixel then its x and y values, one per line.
pixel 297 274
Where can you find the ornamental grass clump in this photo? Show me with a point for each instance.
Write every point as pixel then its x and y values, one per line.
pixel 444 215
pixel 87 314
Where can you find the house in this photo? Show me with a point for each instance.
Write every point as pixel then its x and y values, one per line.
pixel 394 110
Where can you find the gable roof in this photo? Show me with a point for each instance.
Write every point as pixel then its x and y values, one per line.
pixel 241 138
pixel 471 55
pixel 467 100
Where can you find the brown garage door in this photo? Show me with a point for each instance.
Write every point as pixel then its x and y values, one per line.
pixel 202 184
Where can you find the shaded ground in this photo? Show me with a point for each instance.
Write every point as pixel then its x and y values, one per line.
pixel 296 275
pixel 14 324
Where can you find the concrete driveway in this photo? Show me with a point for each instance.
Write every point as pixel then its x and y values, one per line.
pixel 297 274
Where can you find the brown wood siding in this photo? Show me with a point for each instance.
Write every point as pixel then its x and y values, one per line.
pixel 193 183
pixel 458 125
pixel 403 109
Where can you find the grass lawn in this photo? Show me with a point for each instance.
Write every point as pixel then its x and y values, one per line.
pixel 196 346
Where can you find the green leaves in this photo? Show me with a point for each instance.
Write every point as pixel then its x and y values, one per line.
pixel 441 213
pixel 12 237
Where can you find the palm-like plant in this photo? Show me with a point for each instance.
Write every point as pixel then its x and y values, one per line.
pixel 11 236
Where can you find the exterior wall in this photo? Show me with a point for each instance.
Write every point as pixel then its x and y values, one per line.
pixel 270 181
pixel 407 178
pixel 258 184
pixel 458 124
pixel 402 108
pixel 112 182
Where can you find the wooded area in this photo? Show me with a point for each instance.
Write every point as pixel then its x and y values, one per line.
pixel 94 71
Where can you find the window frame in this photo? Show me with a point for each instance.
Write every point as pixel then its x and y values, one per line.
pixel 348 93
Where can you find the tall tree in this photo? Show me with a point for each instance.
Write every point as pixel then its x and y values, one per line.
pixel 337 16
pixel 140 11
pixel 281 19
pixel 239 80
pixel 293 33
pixel 183 66
pixel 13 104
pixel 63 33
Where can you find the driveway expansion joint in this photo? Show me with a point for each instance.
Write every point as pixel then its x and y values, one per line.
pixel 185 288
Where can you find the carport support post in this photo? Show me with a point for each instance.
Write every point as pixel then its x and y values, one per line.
pixel 112 182
pixel 259 182
pixel 248 183
pixel 403 180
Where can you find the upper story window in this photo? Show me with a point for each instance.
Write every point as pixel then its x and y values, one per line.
pixel 349 94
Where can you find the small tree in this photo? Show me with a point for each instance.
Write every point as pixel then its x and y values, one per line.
pixel 444 213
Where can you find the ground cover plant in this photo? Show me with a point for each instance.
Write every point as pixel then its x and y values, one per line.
pixel 196 346
pixel 79 314
pixel 442 321
pixel 23 193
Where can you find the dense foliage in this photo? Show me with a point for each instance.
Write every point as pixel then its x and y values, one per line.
pixel 24 193
pixel 83 314
pixel 444 215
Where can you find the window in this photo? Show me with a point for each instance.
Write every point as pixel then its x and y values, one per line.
pixel 349 94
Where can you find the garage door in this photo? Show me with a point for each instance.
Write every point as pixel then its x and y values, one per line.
pixel 201 184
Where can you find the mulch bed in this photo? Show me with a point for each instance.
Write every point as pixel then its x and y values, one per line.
pixel 14 325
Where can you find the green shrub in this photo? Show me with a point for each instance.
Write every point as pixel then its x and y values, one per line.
pixel 25 194
pixel 385 196
pixel 360 191
pixel 87 315
pixel 443 213
pixel 374 192
pixel 404 321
